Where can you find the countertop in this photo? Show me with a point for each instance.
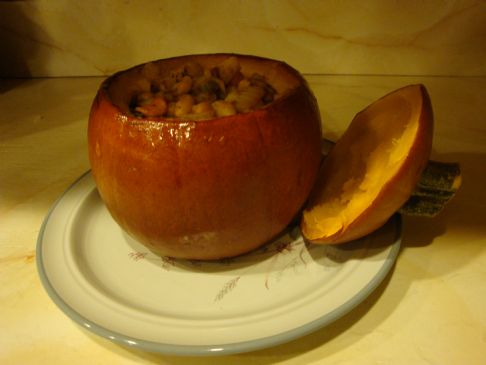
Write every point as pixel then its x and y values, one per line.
pixel 429 310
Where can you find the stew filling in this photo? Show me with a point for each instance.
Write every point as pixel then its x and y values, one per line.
pixel 197 93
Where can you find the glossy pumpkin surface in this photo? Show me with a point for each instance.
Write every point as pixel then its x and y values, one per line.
pixel 205 189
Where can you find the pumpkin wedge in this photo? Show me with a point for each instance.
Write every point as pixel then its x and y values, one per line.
pixel 373 168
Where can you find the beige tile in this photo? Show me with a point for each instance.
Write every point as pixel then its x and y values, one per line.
pixel 65 38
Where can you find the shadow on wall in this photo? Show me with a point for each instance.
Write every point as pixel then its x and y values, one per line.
pixel 63 38
pixel 18 39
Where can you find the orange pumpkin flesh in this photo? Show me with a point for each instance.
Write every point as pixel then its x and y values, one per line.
pixel 373 168
pixel 208 189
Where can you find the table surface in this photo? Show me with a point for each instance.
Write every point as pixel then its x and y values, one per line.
pixel 429 310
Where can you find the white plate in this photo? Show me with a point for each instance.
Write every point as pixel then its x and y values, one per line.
pixel 112 285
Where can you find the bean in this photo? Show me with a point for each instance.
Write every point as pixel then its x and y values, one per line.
pixel 184 105
pixel 183 86
pixel 223 108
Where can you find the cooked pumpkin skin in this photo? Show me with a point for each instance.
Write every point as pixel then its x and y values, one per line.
pixel 206 189
pixel 373 168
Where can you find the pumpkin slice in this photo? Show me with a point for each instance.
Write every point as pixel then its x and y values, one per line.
pixel 373 168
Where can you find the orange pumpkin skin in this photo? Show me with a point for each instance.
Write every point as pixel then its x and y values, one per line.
pixel 208 189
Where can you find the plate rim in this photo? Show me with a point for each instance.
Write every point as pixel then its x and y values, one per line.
pixel 210 350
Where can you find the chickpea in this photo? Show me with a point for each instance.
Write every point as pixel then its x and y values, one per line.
pixel 202 108
pixel 183 86
pixel 244 84
pixel 223 108
pixel 201 111
pixel 228 69
pixel 171 109
pixel 184 105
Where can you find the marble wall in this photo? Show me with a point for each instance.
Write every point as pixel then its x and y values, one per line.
pixel 385 37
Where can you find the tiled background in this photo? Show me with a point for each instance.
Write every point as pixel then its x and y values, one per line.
pixel 379 37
